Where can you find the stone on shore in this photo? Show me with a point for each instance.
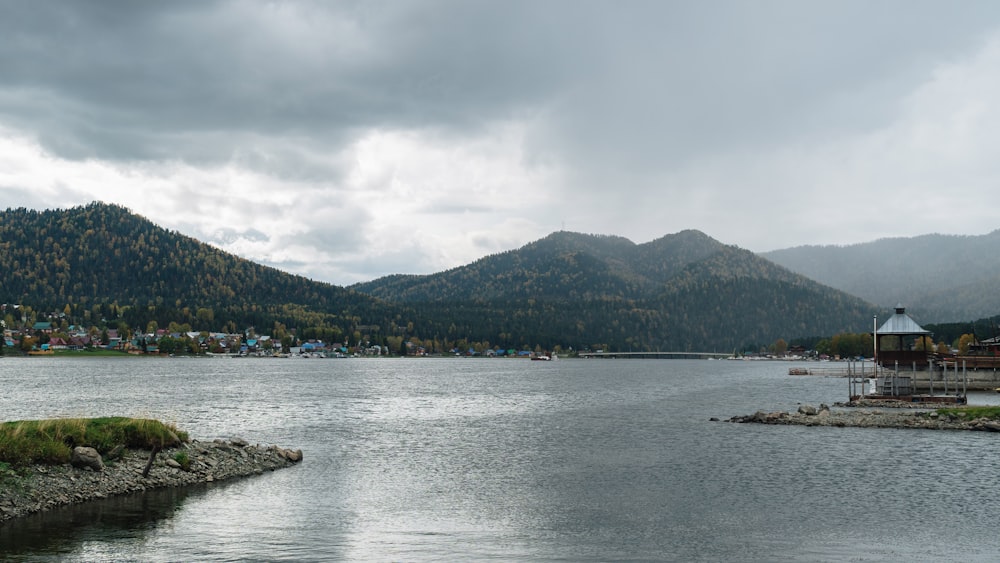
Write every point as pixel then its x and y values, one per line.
pixel 807 410
pixel 87 458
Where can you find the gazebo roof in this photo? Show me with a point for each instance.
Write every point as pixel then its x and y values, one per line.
pixel 901 323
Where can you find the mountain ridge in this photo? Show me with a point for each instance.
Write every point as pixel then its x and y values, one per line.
pixel 944 277
pixel 682 291
pixel 668 290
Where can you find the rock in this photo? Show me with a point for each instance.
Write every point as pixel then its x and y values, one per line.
pixel 293 455
pixel 807 410
pixel 236 441
pixel 84 457
pixel 171 462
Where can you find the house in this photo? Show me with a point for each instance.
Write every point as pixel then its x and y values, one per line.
pixel 80 342
pixel 988 347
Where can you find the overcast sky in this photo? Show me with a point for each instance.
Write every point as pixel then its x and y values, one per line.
pixel 349 140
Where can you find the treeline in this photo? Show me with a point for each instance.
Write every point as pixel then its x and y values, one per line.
pixel 102 262
pixel 101 265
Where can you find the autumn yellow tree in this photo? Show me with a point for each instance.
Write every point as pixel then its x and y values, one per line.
pixel 964 342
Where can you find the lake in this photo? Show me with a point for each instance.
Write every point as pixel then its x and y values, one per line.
pixel 509 460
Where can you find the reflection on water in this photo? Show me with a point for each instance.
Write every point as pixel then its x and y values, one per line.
pixel 59 531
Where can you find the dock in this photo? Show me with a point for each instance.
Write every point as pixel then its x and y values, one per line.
pixel 980 375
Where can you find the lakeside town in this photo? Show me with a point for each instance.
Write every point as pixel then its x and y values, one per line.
pixel 43 338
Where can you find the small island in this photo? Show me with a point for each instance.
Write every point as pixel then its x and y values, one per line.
pixel 57 462
pixel 886 414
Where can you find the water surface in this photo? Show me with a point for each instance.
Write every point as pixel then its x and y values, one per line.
pixel 504 459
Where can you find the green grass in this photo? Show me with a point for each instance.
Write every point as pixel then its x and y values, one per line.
pixel 183 459
pixel 972 413
pixel 92 352
pixel 51 441
pixel 10 479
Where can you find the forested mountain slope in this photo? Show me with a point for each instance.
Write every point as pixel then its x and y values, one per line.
pixel 104 255
pixel 942 277
pixel 684 291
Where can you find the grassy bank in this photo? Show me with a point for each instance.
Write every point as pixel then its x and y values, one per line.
pixel 51 441
pixel 96 352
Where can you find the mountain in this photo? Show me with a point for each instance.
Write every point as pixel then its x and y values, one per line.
pixel 682 292
pixel 942 278
pixel 101 263
pixel 104 256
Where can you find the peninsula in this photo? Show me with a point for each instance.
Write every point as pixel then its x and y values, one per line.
pixel 52 463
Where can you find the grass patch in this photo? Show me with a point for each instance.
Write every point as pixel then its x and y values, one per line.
pixel 972 413
pixel 93 352
pixel 10 479
pixel 52 441
pixel 183 459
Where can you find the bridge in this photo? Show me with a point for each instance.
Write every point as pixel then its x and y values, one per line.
pixel 656 355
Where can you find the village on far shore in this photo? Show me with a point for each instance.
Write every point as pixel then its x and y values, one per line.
pixel 45 338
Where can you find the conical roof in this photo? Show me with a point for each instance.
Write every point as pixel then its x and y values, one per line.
pixel 901 323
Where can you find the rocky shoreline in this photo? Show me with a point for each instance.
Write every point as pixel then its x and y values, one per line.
pixel 43 487
pixel 861 417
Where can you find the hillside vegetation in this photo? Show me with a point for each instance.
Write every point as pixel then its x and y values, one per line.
pixel 683 292
pixel 102 261
pixel 101 264
pixel 942 278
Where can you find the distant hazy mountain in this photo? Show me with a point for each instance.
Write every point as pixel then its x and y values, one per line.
pixel 942 278
pixel 684 291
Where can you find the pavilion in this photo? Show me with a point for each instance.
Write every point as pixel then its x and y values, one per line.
pixel 896 339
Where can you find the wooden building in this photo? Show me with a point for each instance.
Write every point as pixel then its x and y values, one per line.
pixel 896 342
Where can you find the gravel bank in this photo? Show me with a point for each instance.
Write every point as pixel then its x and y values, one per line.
pixel 869 418
pixel 42 487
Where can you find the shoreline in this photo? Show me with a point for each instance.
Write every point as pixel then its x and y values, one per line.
pixel 38 487
pixel 879 416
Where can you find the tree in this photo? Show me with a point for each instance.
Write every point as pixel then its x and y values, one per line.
pixel 205 317
pixel 964 342
pixel 779 347
pixel 168 345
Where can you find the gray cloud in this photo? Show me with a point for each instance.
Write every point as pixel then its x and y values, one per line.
pixel 624 84
pixel 619 108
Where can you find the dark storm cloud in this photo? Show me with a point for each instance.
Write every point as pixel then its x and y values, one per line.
pixel 198 79
pixel 646 83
